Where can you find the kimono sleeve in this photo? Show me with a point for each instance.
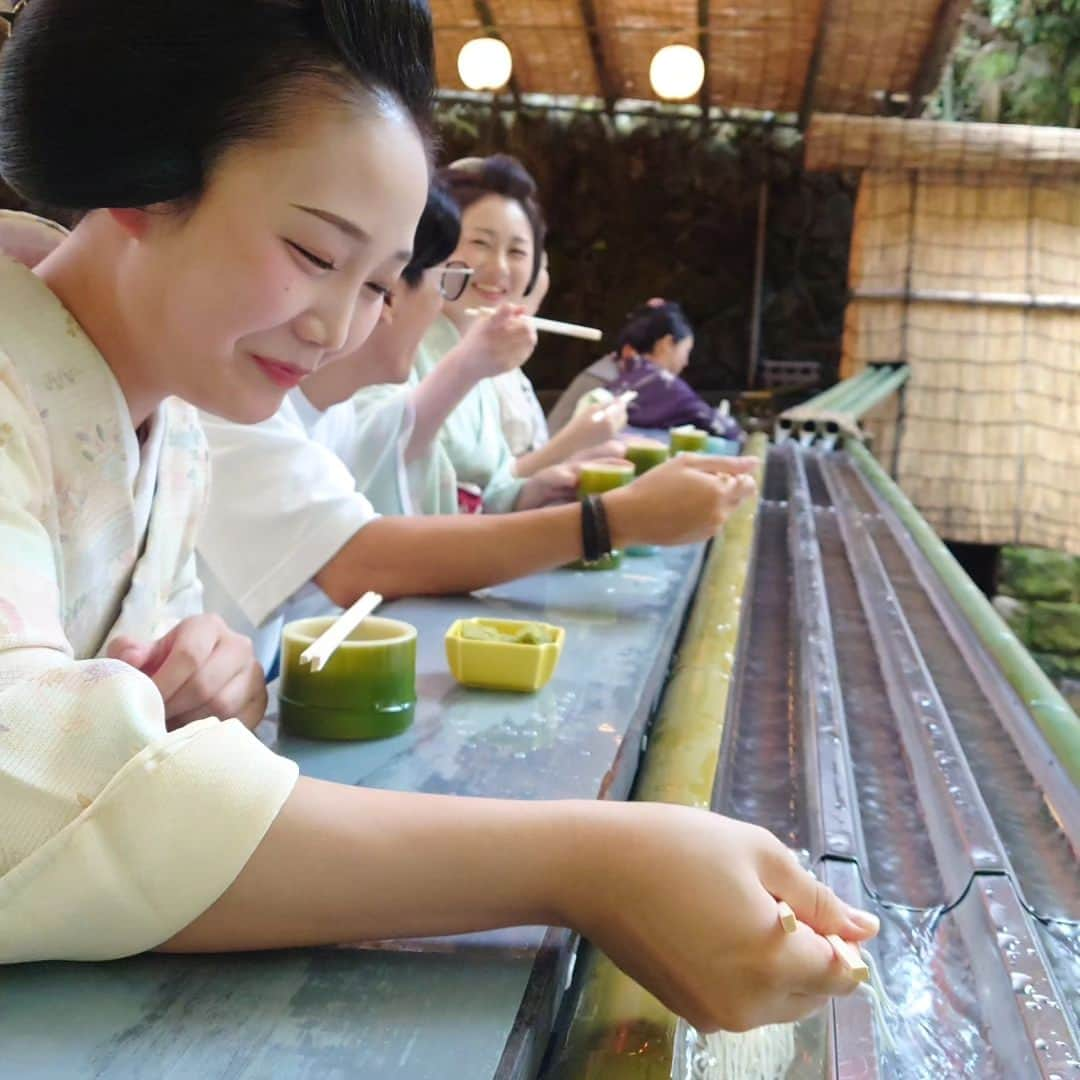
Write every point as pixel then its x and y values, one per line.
pixel 114 835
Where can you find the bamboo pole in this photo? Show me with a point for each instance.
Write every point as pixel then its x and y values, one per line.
pixel 1057 721
pixel 619 1031
pixel 877 393
pixel 851 400
pixel 839 391
pixel 969 297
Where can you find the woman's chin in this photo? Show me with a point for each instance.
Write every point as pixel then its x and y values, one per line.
pixel 245 408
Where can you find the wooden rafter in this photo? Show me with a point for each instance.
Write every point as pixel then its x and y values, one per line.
pixel 487 21
pixel 608 90
pixel 813 71
pixel 938 47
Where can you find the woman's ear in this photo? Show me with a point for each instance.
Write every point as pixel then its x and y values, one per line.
pixel 135 222
pixel 663 346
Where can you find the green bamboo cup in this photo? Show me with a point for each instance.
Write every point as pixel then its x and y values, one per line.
pixel 595 480
pixel 646 454
pixel 688 439
pixel 366 690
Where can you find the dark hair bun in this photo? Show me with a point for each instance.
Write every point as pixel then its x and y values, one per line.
pixel 436 236
pixel 653 320
pixel 131 102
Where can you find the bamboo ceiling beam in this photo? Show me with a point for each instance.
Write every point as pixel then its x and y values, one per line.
pixel 938 47
pixel 604 79
pixel 487 21
pixel 813 71
pixel 624 107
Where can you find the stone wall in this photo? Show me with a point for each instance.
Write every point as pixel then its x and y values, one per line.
pixel 1039 597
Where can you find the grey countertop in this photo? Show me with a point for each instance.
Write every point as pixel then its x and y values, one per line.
pixel 478 1006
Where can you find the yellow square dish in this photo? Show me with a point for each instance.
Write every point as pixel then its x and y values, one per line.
pixel 502 665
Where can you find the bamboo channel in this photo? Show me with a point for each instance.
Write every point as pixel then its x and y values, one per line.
pixel 618 1029
pixel 1058 722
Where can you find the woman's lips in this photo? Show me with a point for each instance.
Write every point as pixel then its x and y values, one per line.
pixel 284 375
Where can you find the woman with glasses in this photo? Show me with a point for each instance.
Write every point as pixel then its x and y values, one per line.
pixel 501 241
pixel 313 507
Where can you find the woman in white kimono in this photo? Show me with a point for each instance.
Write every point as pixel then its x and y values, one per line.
pixel 232 261
pixel 520 413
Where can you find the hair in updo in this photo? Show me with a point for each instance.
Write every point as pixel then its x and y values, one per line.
pixel 126 103
pixel 646 325
pixel 471 179
pixel 437 234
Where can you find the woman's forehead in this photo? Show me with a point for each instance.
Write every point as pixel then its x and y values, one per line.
pixel 498 213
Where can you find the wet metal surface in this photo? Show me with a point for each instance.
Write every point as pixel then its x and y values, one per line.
pixel 875 730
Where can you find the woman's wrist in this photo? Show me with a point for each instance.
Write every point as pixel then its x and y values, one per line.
pixel 619 511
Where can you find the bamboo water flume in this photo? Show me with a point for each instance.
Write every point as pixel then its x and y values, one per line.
pixel 619 1031
pixel 1057 721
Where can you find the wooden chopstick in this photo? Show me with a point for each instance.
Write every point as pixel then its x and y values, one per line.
pixel 787 917
pixel 323 647
pixel 850 957
pixel 624 398
pixel 550 326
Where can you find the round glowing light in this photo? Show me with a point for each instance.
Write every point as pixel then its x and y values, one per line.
pixel 677 72
pixel 484 64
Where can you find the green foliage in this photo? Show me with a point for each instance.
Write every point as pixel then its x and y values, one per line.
pixel 1017 61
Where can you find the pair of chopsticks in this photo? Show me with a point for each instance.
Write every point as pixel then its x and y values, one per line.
pixel 849 954
pixel 323 647
pixel 623 399
pixel 550 326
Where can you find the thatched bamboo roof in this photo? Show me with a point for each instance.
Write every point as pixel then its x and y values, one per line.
pixel 786 56
pixel 856 142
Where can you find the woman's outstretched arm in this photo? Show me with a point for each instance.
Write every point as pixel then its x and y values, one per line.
pixel 683 900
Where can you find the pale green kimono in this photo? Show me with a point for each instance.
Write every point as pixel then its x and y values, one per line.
pixel 114 834
pixel 372 444
pixel 471 439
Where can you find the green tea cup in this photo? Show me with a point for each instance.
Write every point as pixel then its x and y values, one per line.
pixel 646 455
pixel 595 480
pixel 366 690
pixel 688 439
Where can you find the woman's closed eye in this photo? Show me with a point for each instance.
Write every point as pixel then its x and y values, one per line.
pixel 311 257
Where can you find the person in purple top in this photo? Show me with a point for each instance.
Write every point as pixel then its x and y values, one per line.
pixel 651 351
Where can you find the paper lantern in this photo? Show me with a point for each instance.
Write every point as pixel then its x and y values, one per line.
pixel 484 64
pixel 677 72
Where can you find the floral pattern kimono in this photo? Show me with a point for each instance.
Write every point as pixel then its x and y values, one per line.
pixel 114 834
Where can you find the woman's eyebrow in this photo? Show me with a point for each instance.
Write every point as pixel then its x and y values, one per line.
pixel 350 229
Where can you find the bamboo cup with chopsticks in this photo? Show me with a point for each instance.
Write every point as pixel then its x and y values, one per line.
pixel 549 326
pixel 323 647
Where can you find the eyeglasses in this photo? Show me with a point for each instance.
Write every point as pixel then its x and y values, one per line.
pixel 455 277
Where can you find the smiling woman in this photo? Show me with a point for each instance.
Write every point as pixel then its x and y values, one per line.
pixel 228 167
